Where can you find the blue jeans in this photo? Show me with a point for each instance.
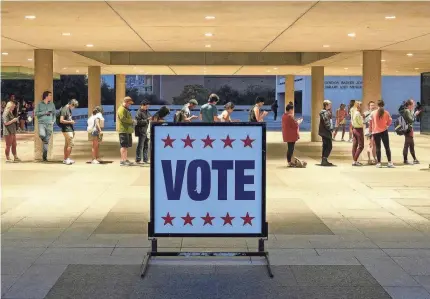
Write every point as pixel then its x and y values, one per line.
pixel 45 133
pixel 142 146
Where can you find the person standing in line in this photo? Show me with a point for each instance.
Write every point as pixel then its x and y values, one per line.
pixel 141 131
pixel 45 113
pixel 95 125
pixel 325 131
pixel 408 114
pixel 9 131
pixel 290 131
pixel 225 116
pixel 371 148
pixel 351 106
pixel 340 121
pixel 209 111
pixel 159 116
pixel 67 122
pixel 380 121
pixel 275 109
pixel 3 106
pixel 184 115
pixel 357 133
pixel 255 115
pixel 125 130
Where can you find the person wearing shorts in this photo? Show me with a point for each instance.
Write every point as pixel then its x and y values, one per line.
pixel 125 130
pixel 95 125
pixel 67 122
pixel 341 114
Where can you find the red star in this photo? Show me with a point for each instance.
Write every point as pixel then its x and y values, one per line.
pixel 188 141
pixel 228 141
pixel 208 219
pixel 247 219
pixel 188 219
pixel 168 219
pixel 248 141
pixel 227 219
pixel 208 141
pixel 168 141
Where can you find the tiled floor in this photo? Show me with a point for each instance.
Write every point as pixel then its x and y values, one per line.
pixel 80 231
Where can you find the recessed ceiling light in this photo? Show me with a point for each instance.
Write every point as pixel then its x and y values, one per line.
pixel 352 34
pixel 208 46
pixel 268 71
pixel 409 54
pixel 397 71
pixel 30 59
pixel 90 45
pixel 5 53
pixel 30 17
pixel 275 68
pixel 141 71
pixel 64 68
pixel 77 71
pixel 383 60
pixel 345 68
pixel 66 34
pixel 326 46
pixel 390 17
pixel 209 34
pixel 210 17
pixel 361 64
pixel 417 68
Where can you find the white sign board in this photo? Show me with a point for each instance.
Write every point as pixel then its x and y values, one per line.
pixel 208 180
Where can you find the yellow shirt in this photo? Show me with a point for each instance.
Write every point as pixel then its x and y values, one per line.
pixel 357 118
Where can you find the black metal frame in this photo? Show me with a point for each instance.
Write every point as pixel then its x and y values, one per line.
pixel 264 225
pixel 154 252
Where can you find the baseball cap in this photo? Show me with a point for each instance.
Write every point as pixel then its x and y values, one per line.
pixel 193 101
pixel 144 103
pixel 128 100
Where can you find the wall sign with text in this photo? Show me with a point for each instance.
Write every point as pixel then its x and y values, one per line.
pixel 208 179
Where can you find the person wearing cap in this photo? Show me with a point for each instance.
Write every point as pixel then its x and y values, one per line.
pixel 95 124
pixel 184 115
pixel 125 129
pixel 141 131
pixel 209 112
pixel 67 122
pixel 255 115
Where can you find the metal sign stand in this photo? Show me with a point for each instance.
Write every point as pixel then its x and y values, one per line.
pixel 154 252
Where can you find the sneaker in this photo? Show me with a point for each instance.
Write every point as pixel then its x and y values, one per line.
pixel 326 163
pixel 9 160
pixel 64 161
pixel 391 165
pixel 416 162
pixel 123 163
pixel 378 165
pixel 95 162
pixel 16 159
pixel 342 139
pixel 67 162
pixel 356 163
pixel 408 163
pixel 71 161
pixel 128 162
pixel 147 162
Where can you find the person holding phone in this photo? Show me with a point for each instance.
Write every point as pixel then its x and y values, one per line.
pixel 9 131
pixel 45 113
pixel 290 131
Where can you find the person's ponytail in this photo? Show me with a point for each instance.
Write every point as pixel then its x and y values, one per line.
pixel 381 109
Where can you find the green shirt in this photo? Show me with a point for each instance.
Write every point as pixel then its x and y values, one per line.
pixel 42 115
pixel 66 113
pixel 208 111
pixel 125 120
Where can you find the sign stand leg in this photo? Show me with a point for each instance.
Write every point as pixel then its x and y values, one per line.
pixel 266 256
pixel 149 254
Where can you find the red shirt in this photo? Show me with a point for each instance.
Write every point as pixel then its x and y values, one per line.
pixel 290 128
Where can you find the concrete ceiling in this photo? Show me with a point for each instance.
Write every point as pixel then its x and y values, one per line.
pixel 239 26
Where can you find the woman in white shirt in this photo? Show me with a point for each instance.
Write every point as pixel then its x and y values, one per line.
pixel 95 125
pixel 225 115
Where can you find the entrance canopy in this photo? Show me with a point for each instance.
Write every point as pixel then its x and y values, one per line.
pixel 217 38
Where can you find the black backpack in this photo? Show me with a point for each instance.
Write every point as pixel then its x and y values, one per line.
pixel 57 118
pixel 179 116
pixel 400 126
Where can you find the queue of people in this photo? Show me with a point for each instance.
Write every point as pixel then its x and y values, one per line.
pixel 371 125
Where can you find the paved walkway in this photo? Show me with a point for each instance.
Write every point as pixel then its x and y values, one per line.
pixel 80 231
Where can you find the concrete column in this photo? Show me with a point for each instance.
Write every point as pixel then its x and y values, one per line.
pixel 317 100
pixel 94 88
pixel 43 80
pixel 120 94
pixel 371 76
pixel 289 90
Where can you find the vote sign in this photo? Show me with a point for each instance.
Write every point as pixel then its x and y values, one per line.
pixel 208 179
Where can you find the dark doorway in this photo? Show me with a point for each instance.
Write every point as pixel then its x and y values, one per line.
pixel 298 96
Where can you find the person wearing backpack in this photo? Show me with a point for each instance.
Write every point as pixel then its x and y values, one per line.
pixel 95 124
pixel 184 115
pixel 406 111
pixel 380 121
pixel 45 113
pixel 141 131
pixel 67 122
pixel 371 148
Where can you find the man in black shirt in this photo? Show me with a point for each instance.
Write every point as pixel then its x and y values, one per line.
pixel 141 131
pixel 67 123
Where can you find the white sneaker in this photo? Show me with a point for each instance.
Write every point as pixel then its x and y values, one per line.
pixel 95 162
pixel 71 161
pixel 391 165
pixel 64 161
pixel 378 165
